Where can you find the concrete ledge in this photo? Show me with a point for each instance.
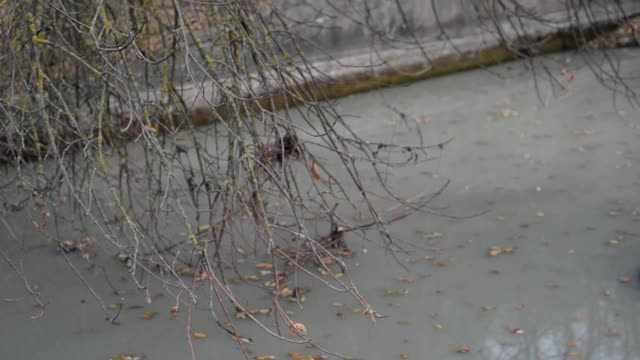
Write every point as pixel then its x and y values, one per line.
pixel 366 68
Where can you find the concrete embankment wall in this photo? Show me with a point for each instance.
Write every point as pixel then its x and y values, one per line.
pixel 362 45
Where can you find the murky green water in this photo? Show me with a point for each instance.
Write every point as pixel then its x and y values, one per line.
pixel 561 185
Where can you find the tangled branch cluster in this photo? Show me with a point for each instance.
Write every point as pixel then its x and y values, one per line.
pixel 100 113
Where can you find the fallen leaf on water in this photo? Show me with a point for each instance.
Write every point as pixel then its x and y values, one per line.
pixel 577 354
pixel 149 315
pixel 439 327
pixel 297 356
pixel 488 308
pixel 404 356
pixel 266 357
pixel 242 339
pixel 515 331
pixel 497 250
pixel 507 113
pixel 300 328
pixel 295 299
pixel 571 344
pixel 261 311
pixel 606 292
pixel 462 349
pixel 500 219
pixel 264 266
pixel 520 306
pixel 397 292
pixel 198 335
pixel 611 332
pixel 315 172
pixel 174 311
pixel 581 132
pixel 286 292
pixel 624 279
pixel 433 235
pixel 407 280
pixel 130 357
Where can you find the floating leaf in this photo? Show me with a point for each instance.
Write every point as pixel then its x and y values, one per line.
pixel 407 280
pixel 264 266
pixel 577 354
pixel 198 335
pixel 397 292
pixel 261 312
pixel 130 357
pixel 266 357
pixel 462 349
pixel 243 339
pixel 507 113
pixel 241 315
pixel 581 132
pixel 571 344
pixel 149 315
pixel 497 250
pixel 624 279
pixel 433 235
pixel 488 308
pixel 315 172
pixel 404 356
pixel 297 356
pixel 300 328
pixel 439 327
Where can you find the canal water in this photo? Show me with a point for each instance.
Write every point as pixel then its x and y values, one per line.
pixel 532 252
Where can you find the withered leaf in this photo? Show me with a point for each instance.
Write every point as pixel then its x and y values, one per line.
pixel 149 315
pixel 198 335
pixel 315 172
pixel 397 292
